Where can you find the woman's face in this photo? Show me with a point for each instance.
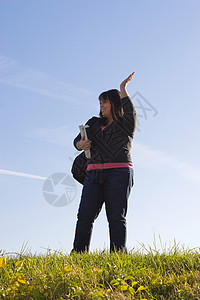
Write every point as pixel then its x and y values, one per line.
pixel 105 107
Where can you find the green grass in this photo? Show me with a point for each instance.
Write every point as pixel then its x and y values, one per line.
pixel 144 274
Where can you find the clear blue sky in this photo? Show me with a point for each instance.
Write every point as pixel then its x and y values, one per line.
pixel 56 57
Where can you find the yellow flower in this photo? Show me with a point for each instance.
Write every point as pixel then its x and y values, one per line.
pixel 134 283
pixel 123 287
pixel 131 290
pixel 20 280
pixel 2 262
pixel 18 262
pixel 142 288
pixel 67 269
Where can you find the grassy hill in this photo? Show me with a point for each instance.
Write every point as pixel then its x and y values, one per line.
pixel 145 274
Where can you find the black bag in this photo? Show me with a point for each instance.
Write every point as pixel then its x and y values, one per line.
pixel 79 167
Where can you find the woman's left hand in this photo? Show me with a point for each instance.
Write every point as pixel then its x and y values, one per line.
pixel 127 80
pixel 123 85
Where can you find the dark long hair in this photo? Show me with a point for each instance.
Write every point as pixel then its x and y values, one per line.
pixel 113 96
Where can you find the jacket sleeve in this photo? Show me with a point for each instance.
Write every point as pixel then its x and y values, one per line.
pixel 129 119
pixel 90 122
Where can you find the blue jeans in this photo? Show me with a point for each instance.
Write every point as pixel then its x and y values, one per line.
pixel 113 187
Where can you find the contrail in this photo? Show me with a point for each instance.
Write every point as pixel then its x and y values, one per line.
pixel 7 172
pixel 15 74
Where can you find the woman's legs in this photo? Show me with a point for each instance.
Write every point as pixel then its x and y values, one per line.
pixel 112 186
pixel 117 187
pixel 89 208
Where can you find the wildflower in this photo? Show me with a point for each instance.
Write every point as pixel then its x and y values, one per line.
pixel 18 262
pixel 2 262
pixel 67 269
pixel 134 283
pixel 142 288
pixel 123 288
pixel 21 280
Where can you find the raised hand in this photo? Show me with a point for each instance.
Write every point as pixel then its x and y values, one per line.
pixel 127 80
pixel 123 85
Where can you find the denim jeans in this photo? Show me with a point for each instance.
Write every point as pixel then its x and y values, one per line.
pixel 113 187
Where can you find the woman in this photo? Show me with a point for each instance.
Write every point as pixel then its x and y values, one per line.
pixel 109 175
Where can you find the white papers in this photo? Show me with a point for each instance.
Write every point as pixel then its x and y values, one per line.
pixel 83 131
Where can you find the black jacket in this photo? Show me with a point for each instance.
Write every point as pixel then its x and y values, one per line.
pixel 113 144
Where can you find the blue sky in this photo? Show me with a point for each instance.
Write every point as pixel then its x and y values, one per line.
pixel 56 57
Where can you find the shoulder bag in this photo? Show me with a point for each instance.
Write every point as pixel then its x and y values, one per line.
pixel 79 167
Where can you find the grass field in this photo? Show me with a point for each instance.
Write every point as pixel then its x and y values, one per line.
pixel 143 274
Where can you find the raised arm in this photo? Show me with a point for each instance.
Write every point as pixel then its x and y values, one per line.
pixel 124 84
pixel 129 120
